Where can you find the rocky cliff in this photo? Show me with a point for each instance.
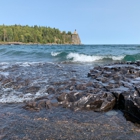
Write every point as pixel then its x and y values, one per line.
pixel 75 38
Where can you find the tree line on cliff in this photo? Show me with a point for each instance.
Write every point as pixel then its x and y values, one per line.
pixel 33 34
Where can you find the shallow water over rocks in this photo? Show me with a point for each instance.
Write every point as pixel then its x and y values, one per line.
pixel 62 123
pixel 58 101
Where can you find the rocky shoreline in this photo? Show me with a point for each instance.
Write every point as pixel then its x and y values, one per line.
pixel 21 43
pixel 114 86
pixel 59 101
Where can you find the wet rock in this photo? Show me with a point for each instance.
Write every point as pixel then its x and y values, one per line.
pixel 73 79
pixel 37 105
pixel 31 105
pixel 5 81
pixel 138 90
pixel 41 104
pixel 62 97
pixel 123 83
pixel 1 77
pixel 97 85
pixel 129 103
pixel 71 97
pixel 91 90
pixel 48 104
pixel 108 104
pixel 59 89
pixel 138 62
pixel 89 84
pixel 108 87
pixel 72 88
pixel 26 82
pixel 81 86
pixel 50 90
pixel 65 104
pixel 102 102
pixel 95 102
pixel 81 103
pixel 54 102
pixel 41 98
pixel 132 109
pixel 32 89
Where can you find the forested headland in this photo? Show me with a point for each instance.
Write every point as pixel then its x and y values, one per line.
pixel 34 34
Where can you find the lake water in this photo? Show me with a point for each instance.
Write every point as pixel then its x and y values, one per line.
pixel 26 71
pixel 69 53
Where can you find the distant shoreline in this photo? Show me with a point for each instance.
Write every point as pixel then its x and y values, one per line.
pixel 21 43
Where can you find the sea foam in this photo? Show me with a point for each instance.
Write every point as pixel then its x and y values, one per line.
pixel 88 58
pixel 11 96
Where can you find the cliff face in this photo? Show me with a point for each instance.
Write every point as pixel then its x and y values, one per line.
pixel 72 38
pixel 75 39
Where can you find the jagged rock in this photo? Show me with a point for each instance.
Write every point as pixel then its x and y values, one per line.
pixel 132 109
pixel 95 102
pixel 31 105
pixel 113 86
pixel 123 81
pixel 102 102
pixel 48 104
pixel 72 88
pixel 41 103
pixel 62 97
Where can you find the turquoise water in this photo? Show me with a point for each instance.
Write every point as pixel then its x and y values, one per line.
pixel 27 72
pixel 40 64
pixel 69 53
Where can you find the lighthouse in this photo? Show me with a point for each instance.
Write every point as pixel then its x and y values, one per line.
pixel 75 38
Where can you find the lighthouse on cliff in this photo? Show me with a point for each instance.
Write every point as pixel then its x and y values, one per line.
pixel 75 38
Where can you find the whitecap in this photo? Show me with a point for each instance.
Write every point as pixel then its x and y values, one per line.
pixel 55 53
pixel 82 58
pixel 117 57
pixel 89 58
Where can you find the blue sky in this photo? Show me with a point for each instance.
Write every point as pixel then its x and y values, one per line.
pixel 96 21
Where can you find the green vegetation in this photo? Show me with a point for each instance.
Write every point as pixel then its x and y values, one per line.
pixel 33 34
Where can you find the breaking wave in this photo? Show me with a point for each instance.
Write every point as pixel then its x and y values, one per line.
pixel 77 57
pixel 88 58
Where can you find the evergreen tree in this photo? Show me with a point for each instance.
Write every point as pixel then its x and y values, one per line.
pixel 35 34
